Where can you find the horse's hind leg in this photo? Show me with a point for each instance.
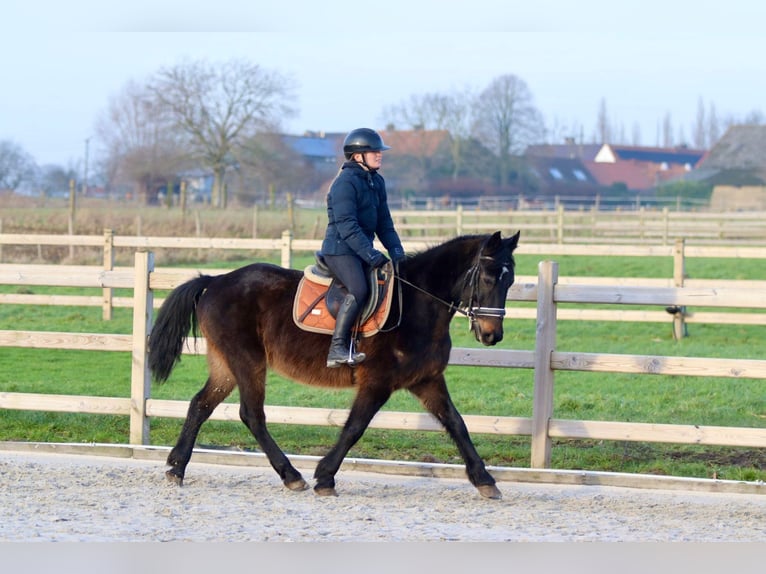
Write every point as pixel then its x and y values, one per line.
pixel 252 391
pixel 200 408
pixel 367 403
pixel 435 397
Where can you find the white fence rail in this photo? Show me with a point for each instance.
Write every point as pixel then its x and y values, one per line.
pixel 288 246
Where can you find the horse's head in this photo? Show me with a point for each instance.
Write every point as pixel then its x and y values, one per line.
pixel 488 281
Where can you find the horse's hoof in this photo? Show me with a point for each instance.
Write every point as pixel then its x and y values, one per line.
pixel 174 478
pixel 297 485
pixel 325 491
pixel 490 491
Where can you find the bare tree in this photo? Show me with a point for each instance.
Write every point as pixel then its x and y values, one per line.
pixel 667 131
pixel 754 118
pixel 714 127
pixel 54 179
pixel 142 148
pixel 421 115
pixel 603 125
pixel 16 165
pixel 507 120
pixel 450 112
pixel 456 116
pixel 699 133
pixel 219 107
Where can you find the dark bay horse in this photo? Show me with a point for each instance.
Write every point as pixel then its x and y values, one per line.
pixel 246 317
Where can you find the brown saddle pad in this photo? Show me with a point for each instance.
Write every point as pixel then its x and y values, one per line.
pixel 310 311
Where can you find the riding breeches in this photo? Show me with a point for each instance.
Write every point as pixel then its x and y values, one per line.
pixel 352 272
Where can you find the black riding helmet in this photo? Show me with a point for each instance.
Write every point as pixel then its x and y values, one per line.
pixel 362 140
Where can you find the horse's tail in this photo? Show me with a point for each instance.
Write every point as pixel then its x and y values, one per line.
pixel 174 320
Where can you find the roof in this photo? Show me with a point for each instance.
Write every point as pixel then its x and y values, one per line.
pixel 741 147
pixel 570 149
pixel 555 170
pixel 316 145
pixel 415 142
pixel 657 155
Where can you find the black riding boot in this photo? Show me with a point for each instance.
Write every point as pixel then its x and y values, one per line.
pixel 340 347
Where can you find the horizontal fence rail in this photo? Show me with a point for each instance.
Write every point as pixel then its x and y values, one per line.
pixel 545 361
pixel 288 246
pixel 643 226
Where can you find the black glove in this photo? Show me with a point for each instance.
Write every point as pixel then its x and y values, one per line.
pixel 397 254
pixel 378 259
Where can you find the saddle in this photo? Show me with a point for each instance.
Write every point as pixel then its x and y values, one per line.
pixel 319 296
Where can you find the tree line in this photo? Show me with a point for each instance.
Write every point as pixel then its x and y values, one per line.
pixel 224 119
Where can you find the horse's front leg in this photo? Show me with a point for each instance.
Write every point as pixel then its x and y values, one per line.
pixel 435 397
pixel 368 401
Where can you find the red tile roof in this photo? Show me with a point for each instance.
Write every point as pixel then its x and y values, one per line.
pixel 415 142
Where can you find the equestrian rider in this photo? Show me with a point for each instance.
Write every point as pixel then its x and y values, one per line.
pixel 357 210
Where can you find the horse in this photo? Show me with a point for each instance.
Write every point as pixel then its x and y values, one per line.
pixel 246 317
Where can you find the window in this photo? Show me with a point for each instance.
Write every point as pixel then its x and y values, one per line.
pixel 579 175
pixel 555 173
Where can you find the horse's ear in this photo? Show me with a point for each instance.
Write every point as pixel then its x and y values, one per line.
pixel 494 243
pixel 513 242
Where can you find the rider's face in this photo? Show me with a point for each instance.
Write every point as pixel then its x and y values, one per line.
pixel 373 159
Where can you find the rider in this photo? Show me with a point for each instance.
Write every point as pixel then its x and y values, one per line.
pixel 357 210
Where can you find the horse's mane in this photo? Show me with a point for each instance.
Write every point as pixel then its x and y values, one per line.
pixel 469 242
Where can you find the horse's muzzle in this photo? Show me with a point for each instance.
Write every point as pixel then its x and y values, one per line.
pixel 488 331
pixel 487 324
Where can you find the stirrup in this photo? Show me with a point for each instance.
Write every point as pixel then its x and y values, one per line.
pixel 352 358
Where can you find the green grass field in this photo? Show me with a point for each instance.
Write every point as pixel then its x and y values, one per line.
pixel 503 392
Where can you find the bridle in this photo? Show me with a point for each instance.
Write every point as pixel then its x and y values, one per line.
pixel 473 312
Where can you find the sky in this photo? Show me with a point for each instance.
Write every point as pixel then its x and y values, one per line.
pixel 62 62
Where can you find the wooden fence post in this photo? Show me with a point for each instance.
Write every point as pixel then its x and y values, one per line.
pixel 459 221
pixel 71 218
pixel 665 225
pixel 291 210
pixel 545 344
pixel 106 303
pixel 140 377
pixel 287 248
pixel 679 274
pixel 560 224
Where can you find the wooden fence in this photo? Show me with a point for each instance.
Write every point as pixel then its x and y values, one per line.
pixel 546 360
pixel 288 246
pixel 643 227
pixel 560 226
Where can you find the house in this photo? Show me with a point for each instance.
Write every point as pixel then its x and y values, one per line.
pixel 641 168
pixel 563 179
pixel 739 157
pixel 736 167
pixel 621 167
pixel 417 143
pixel 321 150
